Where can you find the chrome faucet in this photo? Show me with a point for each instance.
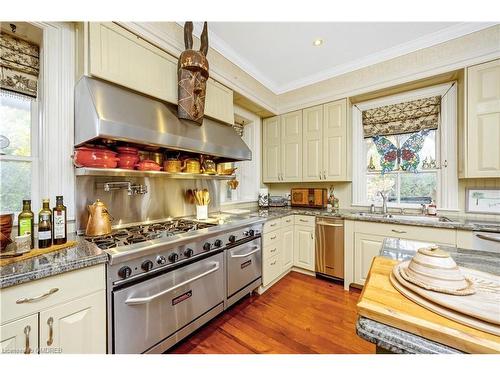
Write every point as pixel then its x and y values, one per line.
pixel 384 202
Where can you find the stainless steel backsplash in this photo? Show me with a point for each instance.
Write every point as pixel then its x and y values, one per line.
pixel 165 198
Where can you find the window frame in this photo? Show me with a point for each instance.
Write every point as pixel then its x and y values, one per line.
pixel 446 150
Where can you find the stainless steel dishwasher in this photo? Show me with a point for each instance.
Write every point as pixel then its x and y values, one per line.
pixel 330 247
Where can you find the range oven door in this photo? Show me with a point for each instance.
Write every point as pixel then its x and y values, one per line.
pixel 150 311
pixel 244 265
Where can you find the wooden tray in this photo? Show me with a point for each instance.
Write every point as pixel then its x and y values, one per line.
pixel 380 301
pixel 35 252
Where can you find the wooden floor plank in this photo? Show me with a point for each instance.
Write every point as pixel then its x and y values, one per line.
pixel 298 315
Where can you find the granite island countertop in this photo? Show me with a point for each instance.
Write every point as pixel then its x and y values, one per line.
pixel 456 222
pixel 398 341
pixel 84 254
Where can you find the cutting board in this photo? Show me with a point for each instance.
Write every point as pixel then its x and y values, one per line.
pixel 35 252
pixel 380 301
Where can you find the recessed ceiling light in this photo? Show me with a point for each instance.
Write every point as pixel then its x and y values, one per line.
pixel 318 42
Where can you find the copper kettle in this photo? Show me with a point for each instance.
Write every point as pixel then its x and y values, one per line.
pixel 99 221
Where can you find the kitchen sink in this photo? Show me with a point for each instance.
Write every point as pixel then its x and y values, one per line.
pixel 430 219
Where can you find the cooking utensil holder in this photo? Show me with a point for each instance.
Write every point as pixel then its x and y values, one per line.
pixel 201 212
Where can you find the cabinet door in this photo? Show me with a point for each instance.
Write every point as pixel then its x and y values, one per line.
pixel 76 327
pixel 335 140
pixel 287 248
pixel 119 56
pixel 219 102
pixel 366 247
pixel 20 336
pixel 271 150
pixel 291 147
pixel 483 120
pixel 271 269
pixel 304 247
pixel 313 144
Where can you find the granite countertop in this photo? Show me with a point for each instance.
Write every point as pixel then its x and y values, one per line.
pixel 84 254
pixel 399 341
pixel 457 222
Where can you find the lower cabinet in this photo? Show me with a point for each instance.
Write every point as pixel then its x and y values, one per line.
pixel 71 327
pixel 287 248
pixel 20 336
pixel 304 247
pixel 271 269
pixel 65 314
pixel 367 246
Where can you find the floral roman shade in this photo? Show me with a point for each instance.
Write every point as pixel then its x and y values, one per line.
pixel 19 66
pixel 401 118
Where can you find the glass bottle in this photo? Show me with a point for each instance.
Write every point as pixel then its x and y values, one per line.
pixel 26 222
pixel 59 223
pixel 45 225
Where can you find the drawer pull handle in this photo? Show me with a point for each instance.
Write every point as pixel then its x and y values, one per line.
pixel 37 298
pixel 254 250
pixel 27 330
pixel 272 225
pixel 304 220
pixel 487 238
pixel 288 220
pixel 273 250
pixel 398 231
pixel 273 263
pixel 50 323
pixel 273 237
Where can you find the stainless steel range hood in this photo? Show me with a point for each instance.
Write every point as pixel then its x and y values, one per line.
pixel 103 110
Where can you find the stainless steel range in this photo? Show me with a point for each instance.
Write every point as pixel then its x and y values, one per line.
pixel 166 279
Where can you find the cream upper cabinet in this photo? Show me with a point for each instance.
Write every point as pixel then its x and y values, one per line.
pixel 271 149
pixel 72 327
pixel 291 147
pixel 304 247
pixel 120 56
pixel 336 141
pixel 483 120
pixel 219 102
pixel 20 336
pixel 312 161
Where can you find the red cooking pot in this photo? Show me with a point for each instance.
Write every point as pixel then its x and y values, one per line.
pixel 148 165
pixel 95 157
pixel 128 157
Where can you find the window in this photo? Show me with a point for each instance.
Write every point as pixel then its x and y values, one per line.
pixel 435 176
pixel 405 187
pixel 18 160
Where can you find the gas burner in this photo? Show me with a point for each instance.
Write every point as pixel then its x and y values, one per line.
pixel 105 243
pixel 121 233
pixel 134 239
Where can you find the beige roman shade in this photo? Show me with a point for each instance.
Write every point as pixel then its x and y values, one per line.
pixel 19 66
pixel 401 118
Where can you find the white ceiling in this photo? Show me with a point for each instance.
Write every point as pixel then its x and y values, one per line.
pixel 282 57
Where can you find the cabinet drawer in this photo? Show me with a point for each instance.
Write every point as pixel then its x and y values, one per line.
pixel 305 220
pixel 50 291
pixel 271 269
pixel 425 234
pixel 272 250
pixel 272 225
pixel 271 238
pixel 286 221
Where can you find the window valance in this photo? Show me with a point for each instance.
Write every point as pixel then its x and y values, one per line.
pixel 401 118
pixel 19 65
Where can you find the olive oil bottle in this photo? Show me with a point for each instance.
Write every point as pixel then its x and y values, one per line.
pixel 26 222
pixel 59 224
pixel 45 225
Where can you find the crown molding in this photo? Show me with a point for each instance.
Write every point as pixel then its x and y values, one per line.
pixel 429 40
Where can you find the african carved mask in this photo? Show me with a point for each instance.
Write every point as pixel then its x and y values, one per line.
pixel 192 74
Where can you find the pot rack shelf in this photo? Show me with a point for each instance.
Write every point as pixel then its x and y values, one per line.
pixel 117 172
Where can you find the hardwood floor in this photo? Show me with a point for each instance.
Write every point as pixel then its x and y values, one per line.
pixel 298 315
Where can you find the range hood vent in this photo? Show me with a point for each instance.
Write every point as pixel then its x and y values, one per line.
pixel 106 111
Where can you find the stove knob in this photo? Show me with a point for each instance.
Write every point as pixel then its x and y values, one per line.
pixel 206 246
pixel 218 243
pixel 160 259
pixel 188 253
pixel 251 232
pixel 147 265
pixel 124 272
pixel 173 257
pixel 232 238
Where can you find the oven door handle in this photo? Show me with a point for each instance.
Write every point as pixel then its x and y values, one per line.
pixel 143 300
pixel 487 238
pixel 255 249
